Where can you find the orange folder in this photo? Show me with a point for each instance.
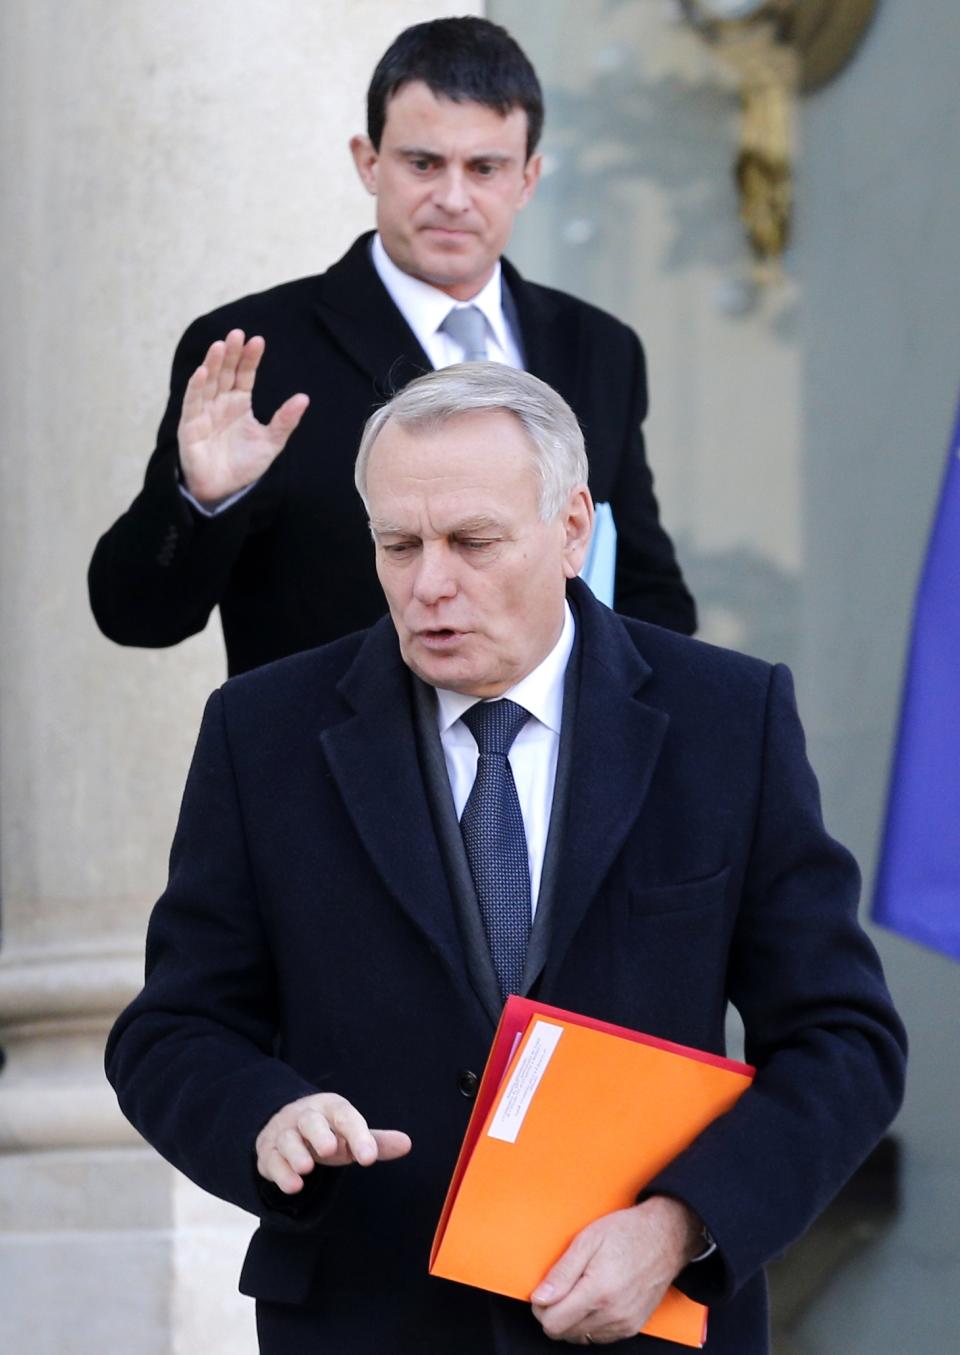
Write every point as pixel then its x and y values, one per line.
pixel 573 1117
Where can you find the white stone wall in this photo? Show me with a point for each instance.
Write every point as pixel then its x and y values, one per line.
pixel 157 160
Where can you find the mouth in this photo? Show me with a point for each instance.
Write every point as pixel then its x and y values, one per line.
pixel 440 638
pixel 449 232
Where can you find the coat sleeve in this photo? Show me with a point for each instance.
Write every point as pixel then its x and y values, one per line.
pixel 158 572
pixel 648 584
pixel 820 1027
pixel 191 1058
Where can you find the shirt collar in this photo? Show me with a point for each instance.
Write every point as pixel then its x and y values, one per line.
pixel 540 692
pixel 425 307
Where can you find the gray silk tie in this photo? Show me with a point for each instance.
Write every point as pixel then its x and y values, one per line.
pixel 467 326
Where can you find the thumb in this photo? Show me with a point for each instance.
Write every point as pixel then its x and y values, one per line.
pixel 564 1273
pixel 286 419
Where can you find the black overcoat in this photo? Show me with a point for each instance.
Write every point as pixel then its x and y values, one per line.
pixel 290 565
pixel 307 940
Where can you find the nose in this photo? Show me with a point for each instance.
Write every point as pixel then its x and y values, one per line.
pixel 434 578
pixel 451 191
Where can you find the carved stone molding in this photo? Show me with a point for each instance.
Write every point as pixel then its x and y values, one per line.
pixel 56 1007
pixel 40 982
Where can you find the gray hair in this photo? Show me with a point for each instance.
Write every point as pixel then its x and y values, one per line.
pixel 556 442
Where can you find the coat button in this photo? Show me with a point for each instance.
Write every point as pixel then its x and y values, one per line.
pixel 467 1084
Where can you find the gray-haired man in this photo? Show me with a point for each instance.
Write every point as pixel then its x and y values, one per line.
pixel 333 947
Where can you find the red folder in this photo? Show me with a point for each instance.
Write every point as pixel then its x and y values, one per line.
pixel 573 1117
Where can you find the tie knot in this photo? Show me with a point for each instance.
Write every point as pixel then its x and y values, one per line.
pixel 467 326
pixel 495 725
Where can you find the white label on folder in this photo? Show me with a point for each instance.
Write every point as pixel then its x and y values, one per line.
pixel 524 1081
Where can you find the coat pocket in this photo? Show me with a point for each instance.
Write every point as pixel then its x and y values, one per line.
pixel 703 892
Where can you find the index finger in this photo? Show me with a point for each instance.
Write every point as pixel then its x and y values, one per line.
pixel 193 397
pixel 346 1122
pixel 211 365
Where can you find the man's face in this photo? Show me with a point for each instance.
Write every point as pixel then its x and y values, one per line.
pixel 475 581
pixel 449 179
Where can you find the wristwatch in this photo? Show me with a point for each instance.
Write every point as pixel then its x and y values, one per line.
pixel 709 1245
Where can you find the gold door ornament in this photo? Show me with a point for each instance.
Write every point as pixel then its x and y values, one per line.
pixel 778 49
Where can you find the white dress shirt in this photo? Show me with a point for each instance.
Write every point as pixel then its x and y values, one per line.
pixel 425 308
pixel 533 756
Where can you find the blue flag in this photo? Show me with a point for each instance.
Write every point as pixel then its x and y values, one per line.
pixel 918 878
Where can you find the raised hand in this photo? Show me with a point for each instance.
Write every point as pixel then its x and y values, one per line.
pixel 324 1128
pixel 223 447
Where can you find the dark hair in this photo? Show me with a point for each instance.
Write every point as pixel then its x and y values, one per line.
pixel 459 59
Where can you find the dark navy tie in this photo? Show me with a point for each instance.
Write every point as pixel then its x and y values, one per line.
pixel 496 843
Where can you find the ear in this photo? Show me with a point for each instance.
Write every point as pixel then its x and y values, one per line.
pixel 365 157
pixel 577 518
pixel 531 177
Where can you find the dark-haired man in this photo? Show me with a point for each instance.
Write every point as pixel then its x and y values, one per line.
pixel 279 542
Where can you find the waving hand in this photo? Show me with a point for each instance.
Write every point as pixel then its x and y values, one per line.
pixel 223 447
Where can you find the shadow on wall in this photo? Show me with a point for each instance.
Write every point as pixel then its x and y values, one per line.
pixel 627 127
pixel 745 601
pixel 858 1218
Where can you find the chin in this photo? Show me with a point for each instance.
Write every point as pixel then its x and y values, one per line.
pixel 443 672
pixel 439 273
pixel 449 264
pixel 451 677
pixel 433 669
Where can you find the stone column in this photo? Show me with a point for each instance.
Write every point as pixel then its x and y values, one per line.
pixel 157 161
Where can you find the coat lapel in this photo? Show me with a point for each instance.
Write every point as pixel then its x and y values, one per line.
pixel 550 343
pixel 616 744
pixel 356 310
pixel 374 760
pixel 373 757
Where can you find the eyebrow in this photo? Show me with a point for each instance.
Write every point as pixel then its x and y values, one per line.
pixel 481 523
pixel 492 157
pixel 384 528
